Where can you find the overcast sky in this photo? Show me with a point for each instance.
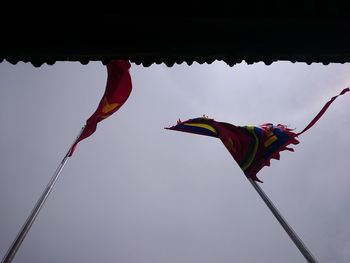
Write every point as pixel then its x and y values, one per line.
pixel 134 192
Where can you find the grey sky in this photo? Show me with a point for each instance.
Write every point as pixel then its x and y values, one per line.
pixel 134 192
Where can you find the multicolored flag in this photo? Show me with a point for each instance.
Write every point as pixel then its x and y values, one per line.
pixel 252 147
pixel 118 89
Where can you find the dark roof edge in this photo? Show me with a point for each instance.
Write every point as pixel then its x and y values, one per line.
pixel 149 61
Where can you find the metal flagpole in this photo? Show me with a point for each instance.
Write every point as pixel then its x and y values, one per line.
pixel 34 213
pixel 297 241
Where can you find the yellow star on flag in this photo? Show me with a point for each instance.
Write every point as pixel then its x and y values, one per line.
pixel 108 107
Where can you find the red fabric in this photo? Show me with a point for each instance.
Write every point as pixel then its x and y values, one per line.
pixel 241 141
pixel 252 147
pixel 323 110
pixel 118 89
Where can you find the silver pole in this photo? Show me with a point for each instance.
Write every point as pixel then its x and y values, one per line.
pixel 297 241
pixel 34 213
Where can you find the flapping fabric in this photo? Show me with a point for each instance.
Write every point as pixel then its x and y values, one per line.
pixel 118 89
pixel 323 110
pixel 252 147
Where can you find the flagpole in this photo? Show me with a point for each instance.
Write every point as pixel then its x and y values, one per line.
pixel 34 213
pixel 291 233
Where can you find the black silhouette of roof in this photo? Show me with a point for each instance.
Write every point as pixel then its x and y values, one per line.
pixel 170 32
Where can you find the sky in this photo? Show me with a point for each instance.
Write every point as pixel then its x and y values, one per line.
pixel 135 192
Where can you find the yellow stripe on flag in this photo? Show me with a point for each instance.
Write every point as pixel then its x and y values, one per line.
pixel 202 125
pixel 270 140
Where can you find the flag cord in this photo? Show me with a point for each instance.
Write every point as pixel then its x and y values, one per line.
pixel 34 213
pixel 291 233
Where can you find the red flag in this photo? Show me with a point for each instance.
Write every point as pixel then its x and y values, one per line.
pixel 118 89
pixel 252 147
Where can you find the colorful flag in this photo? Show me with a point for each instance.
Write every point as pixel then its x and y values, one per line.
pixel 252 147
pixel 118 89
